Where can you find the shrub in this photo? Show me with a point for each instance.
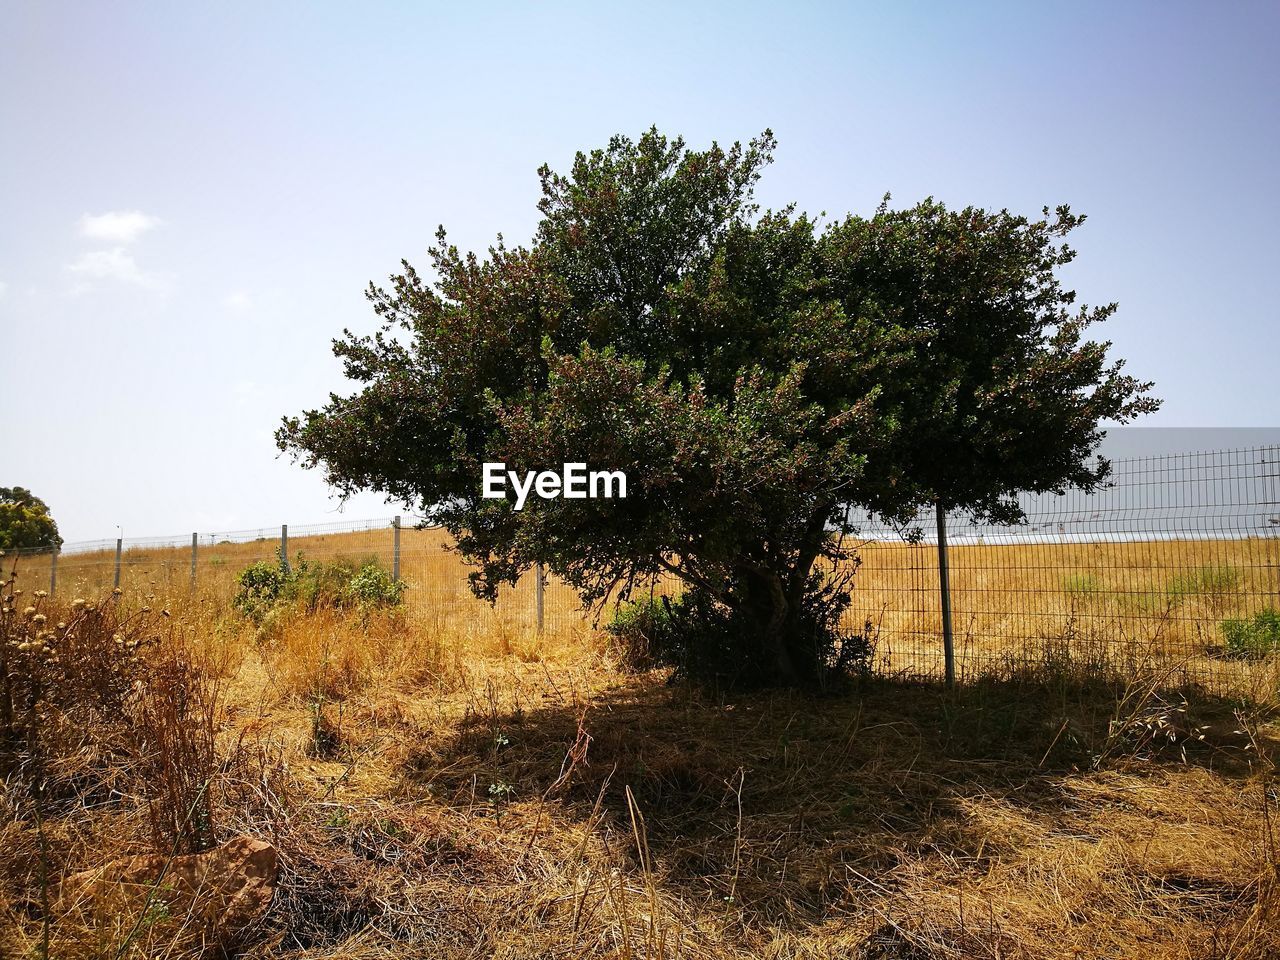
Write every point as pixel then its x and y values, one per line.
pixel 720 647
pixel 260 586
pixel 75 662
pixel 1253 638
pixel 99 702
pixel 265 587
pixel 373 586
pixel 318 585
pixel 639 629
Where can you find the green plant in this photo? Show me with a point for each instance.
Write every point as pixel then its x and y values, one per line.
pixel 1210 581
pixel 25 522
pixel 752 375
pixel 1253 638
pixel 372 586
pixel 259 587
pixel 263 588
pixel 719 647
pixel 319 584
pixel 1081 585
pixel 640 629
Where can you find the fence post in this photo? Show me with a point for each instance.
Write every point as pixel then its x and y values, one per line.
pixel 944 585
pixel 119 550
pixel 284 548
pixel 195 544
pixel 539 583
pixel 53 571
pixel 395 550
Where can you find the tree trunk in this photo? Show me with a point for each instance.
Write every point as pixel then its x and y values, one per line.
pixel 776 611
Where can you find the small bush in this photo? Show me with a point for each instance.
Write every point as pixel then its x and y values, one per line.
pixel 264 588
pixel 640 628
pixel 98 702
pixel 1254 638
pixel 373 586
pixel 718 647
pixel 317 585
pixel 697 637
pixel 65 669
pixel 260 586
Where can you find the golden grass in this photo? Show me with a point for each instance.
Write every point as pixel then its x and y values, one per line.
pixel 445 782
pixel 1132 606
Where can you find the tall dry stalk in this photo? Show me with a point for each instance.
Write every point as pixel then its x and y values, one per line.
pixel 175 711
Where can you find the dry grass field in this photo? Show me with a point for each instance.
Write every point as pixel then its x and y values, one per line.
pixel 441 780
pixel 1131 606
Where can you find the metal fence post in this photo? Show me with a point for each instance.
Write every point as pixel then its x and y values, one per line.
pixel 538 590
pixel 395 550
pixel 944 586
pixel 53 572
pixel 195 545
pixel 284 547
pixel 119 550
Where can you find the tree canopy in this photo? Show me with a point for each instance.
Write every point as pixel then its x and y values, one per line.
pixel 756 374
pixel 25 523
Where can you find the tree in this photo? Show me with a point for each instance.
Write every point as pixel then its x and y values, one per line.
pixel 25 523
pixel 755 374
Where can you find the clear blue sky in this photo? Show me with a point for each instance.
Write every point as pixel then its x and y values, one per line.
pixel 192 198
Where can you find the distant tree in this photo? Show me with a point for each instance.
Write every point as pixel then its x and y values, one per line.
pixel 25 523
pixel 754 374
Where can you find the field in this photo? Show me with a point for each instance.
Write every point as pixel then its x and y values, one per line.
pixel 1132 606
pixel 440 779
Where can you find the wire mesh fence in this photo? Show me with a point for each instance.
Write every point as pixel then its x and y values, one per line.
pixel 1173 565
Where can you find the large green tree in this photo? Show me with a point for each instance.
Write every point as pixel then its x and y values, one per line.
pixel 755 373
pixel 25 523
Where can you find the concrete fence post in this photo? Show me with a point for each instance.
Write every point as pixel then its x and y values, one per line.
pixel 944 586
pixel 53 572
pixel 119 551
pixel 539 589
pixel 284 548
pixel 195 546
pixel 395 549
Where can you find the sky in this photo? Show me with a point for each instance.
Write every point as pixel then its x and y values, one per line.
pixel 193 198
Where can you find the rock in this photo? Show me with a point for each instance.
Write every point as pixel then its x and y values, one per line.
pixel 227 889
